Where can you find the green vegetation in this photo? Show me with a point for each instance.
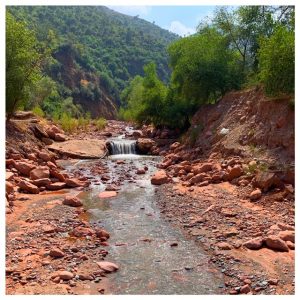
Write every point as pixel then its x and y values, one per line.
pixel 94 51
pixel 100 123
pixel 247 45
pixel 277 62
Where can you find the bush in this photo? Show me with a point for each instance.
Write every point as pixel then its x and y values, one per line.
pixel 38 111
pixel 68 123
pixel 277 62
pixel 100 123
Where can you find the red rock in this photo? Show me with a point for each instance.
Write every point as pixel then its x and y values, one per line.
pixel 85 277
pixel 47 141
pixel 245 289
pixel 51 165
pixel 100 233
pixel 41 182
pixel 56 186
pixel 290 244
pixel 49 229
pixel 52 130
pixel 160 177
pixel 204 168
pixel 266 180
pixel 28 187
pixel 256 194
pixel 73 182
pixel 82 231
pixel 254 244
pixel 174 145
pixel 107 266
pixel 56 174
pixel 275 243
pixel 65 275
pixel 39 173
pixel 107 194
pixel 59 137
pixel 287 235
pixel 197 178
pixel 9 187
pixel 203 183
pixel 144 145
pixel 224 246
pixel 140 171
pixel 72 201
pixel 56 253
pixel 24 168
pixel 233 173
pixel 9 175
pixel 45 156
pixel 283 226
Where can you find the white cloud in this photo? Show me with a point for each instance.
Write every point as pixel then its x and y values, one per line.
pixel 131 10
pixel 181 29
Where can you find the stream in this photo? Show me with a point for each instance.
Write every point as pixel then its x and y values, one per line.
pixel 140 239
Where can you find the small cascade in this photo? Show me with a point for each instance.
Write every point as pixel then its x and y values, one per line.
pixel 122 147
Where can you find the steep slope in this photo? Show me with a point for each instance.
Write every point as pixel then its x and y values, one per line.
pixel 97 50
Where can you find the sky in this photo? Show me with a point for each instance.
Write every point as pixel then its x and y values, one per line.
pixel 182 20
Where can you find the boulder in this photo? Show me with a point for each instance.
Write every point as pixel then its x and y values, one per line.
pixel 56 186
pixel 233 173
pixel 287 235
pixel 140 171
pixel 107 266
pixel 45 156
pixel 174 145
pixel 144 145
pixel 39 131
pixel 137 134
pixel 101 233
pixel 56 174
pixel 41 182
pixel 72 201
pixel 9 175
pixel 255 195
pixel 254 244
pixel 9 187
pixel 59 137
pixel 160 177
pixel 39 173
pixel 24 168
pixel 56 253
pixel 65 275
pixel 28 187
pixel 203 168
pixel 73 182
pixel 224 246
pixel 266 180
pixel 52 130
pixel 197 178
pixel 47 141
pixel 82 231
pixel 275 243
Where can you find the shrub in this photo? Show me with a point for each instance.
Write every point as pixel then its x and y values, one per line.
pixel 68 123
pixel 38 111
pixel 100 123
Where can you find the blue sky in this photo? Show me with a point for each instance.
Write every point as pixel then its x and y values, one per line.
pixel 182 20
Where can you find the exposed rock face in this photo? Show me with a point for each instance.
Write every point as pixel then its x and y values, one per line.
pixel 160 177
pixel 144 145
pixel 72 201
pixel 39 173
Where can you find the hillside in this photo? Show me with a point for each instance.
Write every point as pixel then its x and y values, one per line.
pixel 96 51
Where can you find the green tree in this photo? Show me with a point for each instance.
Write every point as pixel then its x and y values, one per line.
pixel 23 62
pixel 277 61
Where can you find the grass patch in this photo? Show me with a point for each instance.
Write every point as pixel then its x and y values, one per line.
pixel 100 123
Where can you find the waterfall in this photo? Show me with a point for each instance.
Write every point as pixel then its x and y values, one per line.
pixel 123 147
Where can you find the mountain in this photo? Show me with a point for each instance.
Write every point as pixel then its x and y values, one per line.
pixel 96 51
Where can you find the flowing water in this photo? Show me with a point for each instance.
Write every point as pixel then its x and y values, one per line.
pixel 140 238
